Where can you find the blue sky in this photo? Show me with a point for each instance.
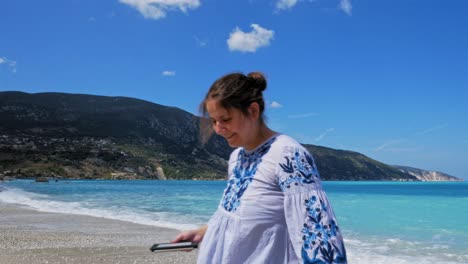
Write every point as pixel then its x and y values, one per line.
pixel 388 79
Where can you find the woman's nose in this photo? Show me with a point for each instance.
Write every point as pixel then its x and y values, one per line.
pixel 219 129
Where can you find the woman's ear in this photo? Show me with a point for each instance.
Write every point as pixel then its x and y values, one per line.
pixel 254 110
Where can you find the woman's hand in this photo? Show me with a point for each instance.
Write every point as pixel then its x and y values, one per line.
pixel 195 235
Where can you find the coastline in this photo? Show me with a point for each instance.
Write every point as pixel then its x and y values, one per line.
pixel 32 237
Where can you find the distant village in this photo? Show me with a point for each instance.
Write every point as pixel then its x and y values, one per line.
pixel 54 158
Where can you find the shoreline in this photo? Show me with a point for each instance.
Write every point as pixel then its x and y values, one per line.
pixel 53 179
pixel 32 237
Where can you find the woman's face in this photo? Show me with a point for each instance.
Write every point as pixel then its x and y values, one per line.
pixel 238 129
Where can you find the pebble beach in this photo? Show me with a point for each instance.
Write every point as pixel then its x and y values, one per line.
pixel 33 237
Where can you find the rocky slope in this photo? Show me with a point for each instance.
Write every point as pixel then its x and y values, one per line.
pixel 424 175
pixel 87 136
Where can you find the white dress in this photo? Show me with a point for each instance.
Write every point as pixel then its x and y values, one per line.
pixel 273 210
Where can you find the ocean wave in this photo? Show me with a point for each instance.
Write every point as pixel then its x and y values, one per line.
pixel 361 248
pixel 398 251
pixel 43 203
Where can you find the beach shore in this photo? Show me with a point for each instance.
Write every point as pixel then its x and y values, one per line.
pixel 33 237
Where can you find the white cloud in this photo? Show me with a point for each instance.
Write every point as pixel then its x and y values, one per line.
pixel 325 133
pixel 276 124
pixel 402 150
pixel 387 144
pixel 395 146
pixel 303 115
pixel 429 130
pixel 275 104
pixel 345 6
pixel 10 63
pixel 156 9
pixel 200 42
pixel 303 138
pixel 251 41
pixel 285 4
pixel 168 73
pixel 13 66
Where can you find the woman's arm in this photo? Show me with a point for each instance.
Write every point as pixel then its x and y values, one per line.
pixel 195 235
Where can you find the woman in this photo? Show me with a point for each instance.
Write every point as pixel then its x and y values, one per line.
pixel 274 209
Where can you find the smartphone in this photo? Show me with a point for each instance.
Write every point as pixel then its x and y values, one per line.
pixel 164 247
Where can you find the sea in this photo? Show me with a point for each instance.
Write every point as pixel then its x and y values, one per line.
pixel 382 222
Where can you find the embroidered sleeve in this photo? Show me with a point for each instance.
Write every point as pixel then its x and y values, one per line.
pixel 297 169
pixel 312 226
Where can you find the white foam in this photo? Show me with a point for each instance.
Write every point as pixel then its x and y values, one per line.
pixel 42 203
pixel 398 251
pixel 370 251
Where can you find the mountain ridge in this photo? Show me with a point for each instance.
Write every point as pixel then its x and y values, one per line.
pixel 94 136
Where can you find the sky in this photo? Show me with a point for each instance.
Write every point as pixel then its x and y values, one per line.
pixel 388 79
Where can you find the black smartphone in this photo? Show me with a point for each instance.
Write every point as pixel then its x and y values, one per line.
pixel 164 247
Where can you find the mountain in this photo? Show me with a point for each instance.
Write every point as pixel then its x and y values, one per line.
pixel 349 165
pixel 424 175
pixel 88 136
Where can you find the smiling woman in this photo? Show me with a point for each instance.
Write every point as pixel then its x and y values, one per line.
pixel 235 106
pixel 274 209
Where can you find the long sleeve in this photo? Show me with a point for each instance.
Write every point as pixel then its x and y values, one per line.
pixel 312 226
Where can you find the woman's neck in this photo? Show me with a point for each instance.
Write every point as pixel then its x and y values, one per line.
pixel 262 135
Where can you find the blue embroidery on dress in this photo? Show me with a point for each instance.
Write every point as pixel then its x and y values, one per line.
pixel 320 236
pixel 243 174
pixel 301 169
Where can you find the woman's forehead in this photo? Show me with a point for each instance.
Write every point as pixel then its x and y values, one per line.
pixel 215 109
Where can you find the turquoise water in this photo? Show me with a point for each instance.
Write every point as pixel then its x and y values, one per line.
pixel 383 222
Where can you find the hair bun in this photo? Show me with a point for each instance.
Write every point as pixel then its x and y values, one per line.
pixel 260 80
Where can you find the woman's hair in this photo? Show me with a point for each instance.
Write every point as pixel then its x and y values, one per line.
pixel 234 90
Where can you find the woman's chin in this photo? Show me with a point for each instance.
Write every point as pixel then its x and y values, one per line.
pixel 232 142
